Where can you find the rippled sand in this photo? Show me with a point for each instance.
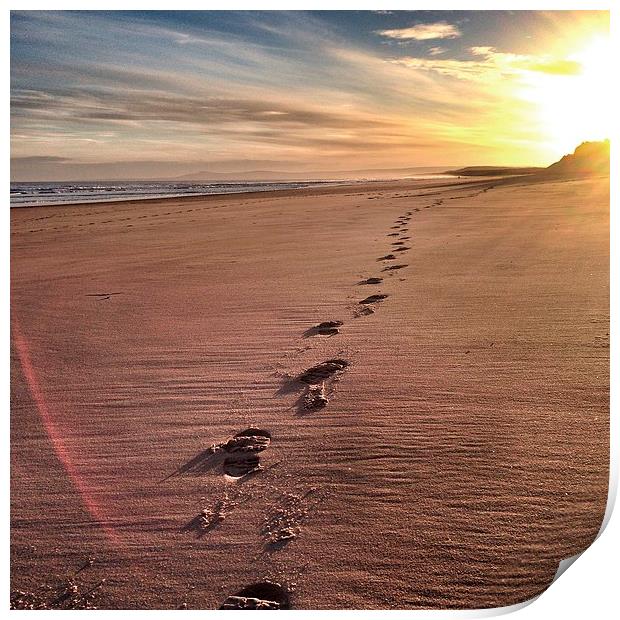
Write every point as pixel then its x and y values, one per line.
pixel 462 448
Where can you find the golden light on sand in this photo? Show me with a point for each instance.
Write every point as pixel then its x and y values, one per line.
pixel 573 104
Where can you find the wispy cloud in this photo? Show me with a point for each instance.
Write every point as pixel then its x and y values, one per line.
pixel 423 32
pixel 490 65
pixel 436 51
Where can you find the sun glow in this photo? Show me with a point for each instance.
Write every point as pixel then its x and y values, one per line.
pixel 573 106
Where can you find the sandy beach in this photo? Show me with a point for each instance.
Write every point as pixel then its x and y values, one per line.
pixel 462 453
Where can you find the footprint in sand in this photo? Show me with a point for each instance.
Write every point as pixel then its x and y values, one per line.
pixel 284 520
pixel 398 243
pixel 394 267
pixel 317 379
pixel 403 249
pixel 243 449
pixel 326 328
pixel 373 299
pixel 238 456
pixel 101 296
pixel 393 234
pixel 371 281
pixel 260 595
pixel 387 257
pixel 210 518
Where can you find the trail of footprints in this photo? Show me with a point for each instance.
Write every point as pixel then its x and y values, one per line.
pixel 239 456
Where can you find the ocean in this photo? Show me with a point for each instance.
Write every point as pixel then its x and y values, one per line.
pixel 33 194
pixel 41 194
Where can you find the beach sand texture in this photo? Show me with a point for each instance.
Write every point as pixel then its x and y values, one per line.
pixel 463 450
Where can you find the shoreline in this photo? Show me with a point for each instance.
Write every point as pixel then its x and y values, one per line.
pixel 361 186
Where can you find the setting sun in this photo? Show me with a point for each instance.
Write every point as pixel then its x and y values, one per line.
pixel 573 106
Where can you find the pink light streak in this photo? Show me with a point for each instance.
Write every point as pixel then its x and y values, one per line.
pixel 55 436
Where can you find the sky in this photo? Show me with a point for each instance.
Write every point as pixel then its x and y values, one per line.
pixel 159 94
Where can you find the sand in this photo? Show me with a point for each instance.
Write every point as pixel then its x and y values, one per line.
pixel 463 450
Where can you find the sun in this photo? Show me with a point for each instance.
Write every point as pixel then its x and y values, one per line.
pixel 573 106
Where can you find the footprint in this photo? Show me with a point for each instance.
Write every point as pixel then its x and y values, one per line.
pixel 387 257
pixel 260 595
pixel 394 267
pixel 284 521
pixel 210 518
pixel 398 243
pixel 373 299
pixel 326 328
pixel 371 281
pixel 101 296
pixel 393 234
pixel 316 379
pixel 403 249
pixel 244 448
pixel 363 311
pixel 238 456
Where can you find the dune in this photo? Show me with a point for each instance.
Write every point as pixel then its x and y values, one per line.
pixel 241 402
pixel 588 159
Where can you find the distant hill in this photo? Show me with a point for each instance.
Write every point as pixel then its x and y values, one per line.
pixel 589 158
pixel 281 175
pixel 493 171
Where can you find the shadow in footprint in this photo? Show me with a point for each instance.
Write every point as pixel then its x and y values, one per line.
pixel 260 595
pixel 394 267
pixel 373 299
pixel 101 296
pixel 326 328
pixel 387 257
pixel 371 281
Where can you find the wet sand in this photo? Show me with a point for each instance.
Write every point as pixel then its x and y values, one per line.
pixel 463 448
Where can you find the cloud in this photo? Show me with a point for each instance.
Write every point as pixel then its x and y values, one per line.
pixel 436 51
pixel 490 65
pixel 423 32
pixel 141 106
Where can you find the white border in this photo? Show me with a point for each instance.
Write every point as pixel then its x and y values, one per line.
pixel 589 587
